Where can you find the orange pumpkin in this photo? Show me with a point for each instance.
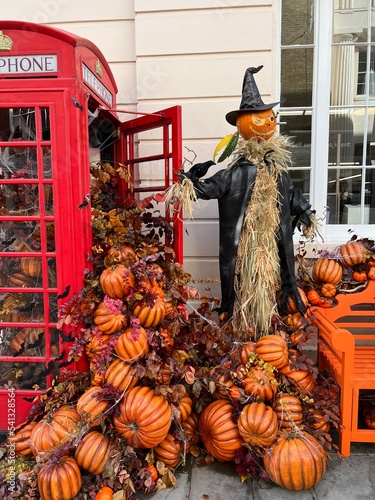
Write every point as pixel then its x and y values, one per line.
pixel 105 493
pixel 96 344
pixel 272 349
pixel 296 462
pixel 109 318
pixel 291 303
pixel 353 253
pixel 21 439
pixel 369 415
pixel 117 281
pixel 155 274
pixel 164 375
pixel 31 266
pixel 190 426
pixel 258 424
pixel 259 384
pixel 25 337
pixel 144 418
pixel 371 273
pixel 313 297
pixel 288 409
pixel 132 345
pixel 20 279
pixel 317 420
pixel 257 124
pixel 120 374
pixel 123 254
pixel 53 429
pixel 219 432
pixel 153 472
pixel 328 290
pixel 359 276
pixel 150 315
pixel 93 452
pixel 327 271
pixel 247 349
pixel 223 382
pixel 59 481
pixel 90 407
pixel 185 407
pixel 303 379
pixel 169 451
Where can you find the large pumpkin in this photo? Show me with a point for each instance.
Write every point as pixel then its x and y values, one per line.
pixel 259 384
pixel 117 281
pixel 61 481
pixel 258 424
pixel 257 124
pixel 296 462
pixel 93 452
pixel 144 418
pixel 91 407
pixel 272 349
pixel 219 432
pixel 109 318
pixel 132 344
pixel 53 429
pixel 169 451
pixel 21 439
pixel 327 271
pixel 288 409
pixel 352 253
pixel 120 374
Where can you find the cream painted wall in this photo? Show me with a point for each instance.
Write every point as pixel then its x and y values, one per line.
pixel 168 52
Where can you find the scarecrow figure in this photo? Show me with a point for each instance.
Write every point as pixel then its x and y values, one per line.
pixel 257 201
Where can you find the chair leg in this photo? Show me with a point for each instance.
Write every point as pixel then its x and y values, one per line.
pixel 346 422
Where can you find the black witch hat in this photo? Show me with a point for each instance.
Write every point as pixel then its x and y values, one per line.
pixel 251 100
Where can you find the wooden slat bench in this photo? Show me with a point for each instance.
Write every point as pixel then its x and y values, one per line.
pixel 346 348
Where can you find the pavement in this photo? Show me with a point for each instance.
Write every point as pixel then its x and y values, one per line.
pixel 350 478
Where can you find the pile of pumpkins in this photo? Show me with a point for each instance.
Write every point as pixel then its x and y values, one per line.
pixel 257 397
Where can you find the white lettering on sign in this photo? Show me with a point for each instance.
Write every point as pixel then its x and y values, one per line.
pixel 15 65
pixel 94 82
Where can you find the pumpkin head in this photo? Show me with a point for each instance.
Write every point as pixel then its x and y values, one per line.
pixel 296 462
pixel 327 271
pixel 169 451
pixel 257 124
pixel 219 432
pixel 59 481
pixel 93 452
pixel 144 418
pixel 258 424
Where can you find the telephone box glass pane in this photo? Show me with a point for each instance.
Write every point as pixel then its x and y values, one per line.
pixel 22 308
pixel 44 119
pixel 19 162
pixel 53 317
pixel 48 199
pixel 23 375
pixel 23 342
pixel 47 163
pixel 52 273
pixel 17 124
pixel 20 199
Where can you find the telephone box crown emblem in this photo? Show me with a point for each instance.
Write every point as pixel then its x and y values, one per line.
pixel 6 43
pixel 98 68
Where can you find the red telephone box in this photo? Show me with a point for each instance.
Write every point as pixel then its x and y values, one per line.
pixel 58 113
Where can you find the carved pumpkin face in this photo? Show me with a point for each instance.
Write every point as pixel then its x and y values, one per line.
pixel 255 124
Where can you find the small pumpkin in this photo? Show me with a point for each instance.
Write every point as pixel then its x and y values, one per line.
pixel 328 290
pixel 257 124
pixel 91 406
pixel 258 424
pixel 31 266
pixel 303 379
pixel 185 407
pixel 219 432
pixel 132 344
pixel 105 493
pixel 153 473
pixel 222 380
pixel 53 429
pixel 155 274
pixel 353 253
pixel 272 349
pixel 123 254
pixel 93 452
pixel 109 318
pixel 313 297
pixel 360 276
pixel 291 303
pixel 190 426
pixel 96 344
pixel 247 349
pixel 369 415
pixel 150 315
pixel 117 281
pixel 59 481
pixel 259 384
pixel 120 374
pixel 164 375
pixel 169 451
pixel 288 409
pixel 371 273
pixel 144 418
pixel 297 461
pixel 317 420
pixel 21 439
pixel 327 271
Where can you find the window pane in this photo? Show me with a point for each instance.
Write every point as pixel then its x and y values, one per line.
pixel 342 147
pixel 370 194
pixel 301 180
pixel 297 22
pixel 296 77
pixel 298 128
pixel 344 196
